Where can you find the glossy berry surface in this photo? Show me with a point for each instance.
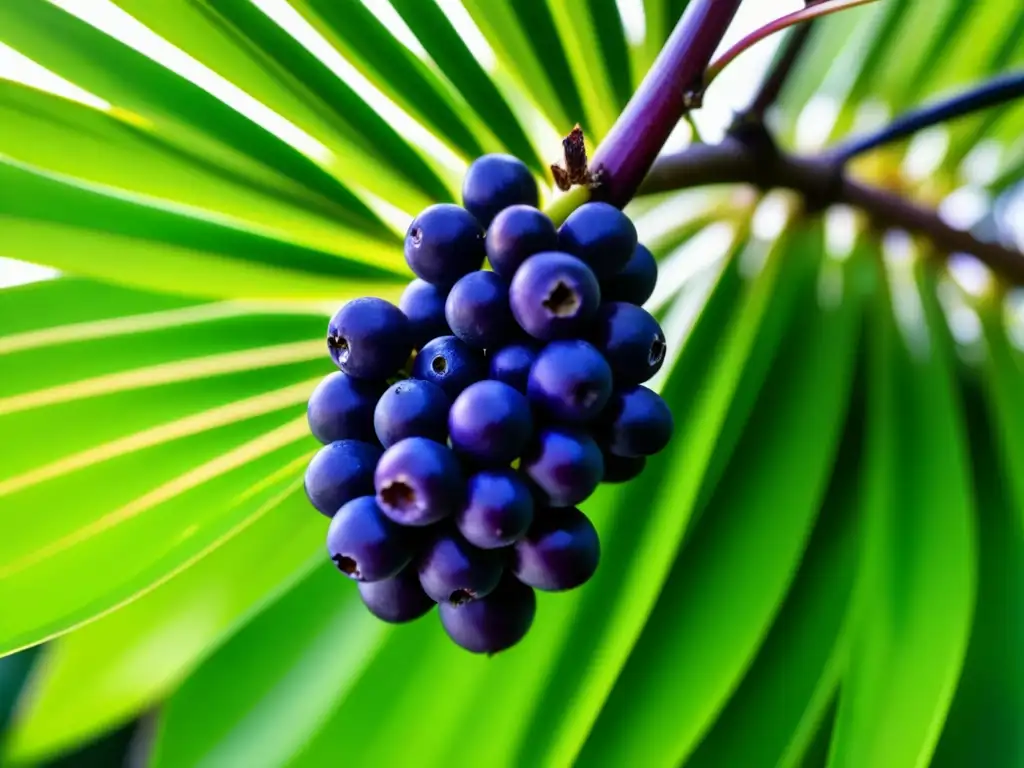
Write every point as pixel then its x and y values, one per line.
pixel 369 338
pixel 411 408
pixel 454 571
pixel 423 304
pixel 511 364
pixel 341 408
pixel 622 469
pixel 561 551
pixel 339 472
pixel 477 310
pixel 565 465
pixel 601 236
pixel 498 511
pixel 444 243
pixel 450 363
pixel 517 233
pixel 638 422
pixel 494 182
pixel 570 381
pixel 494 623
pixel 554 295
pixel 635 282
pixel 364 544
pixel 419 482
pixel 490 423
pixel 398 599
pixel 631 340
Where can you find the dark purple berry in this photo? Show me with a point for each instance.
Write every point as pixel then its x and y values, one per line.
pixel 398 599
pixel 423 304
pixel 412 408
pixel 560 551
pixel 499 509
pixel 450 363
pixel 454 571
pixel 601 236
pixel 340 472
pixel 477 310
pixel 494 623
pixel 553 295
pixel 490 423
pixel 631 340
pixel 364 544
pixel 637 422
pixel 517 233
pixel 570 381
pixel 369 338
pixel 635 282
pixel 511 365
pixel 564 464
pixel 494 182
pixel 444 243
pixel 622 469
pixel 419 482
pixel 341 408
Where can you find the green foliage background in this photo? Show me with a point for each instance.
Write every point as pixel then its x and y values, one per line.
pixel 827 566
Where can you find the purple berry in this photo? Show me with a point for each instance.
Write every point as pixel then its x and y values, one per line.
pixel 553 295
pixel 494 182
pixel 622 469
pixel 635 282
pixel 498 511
pixel 423 304
pixel 412 408
pixel 496 622
pixel 454 571
pixel 419 482
pixel 601 236
pixel 570 381
pixel 477 310
pixel 369 338
pixel 364 544
pixel 564 464
pixel 517 233
pixel 490 423
pixel 511 365
pixel 631 340
pixel 341 408
pixel 637 422
pixel 340 472
pixel 450 363
pixel 560 551
pixel 444 243
pixel 398 599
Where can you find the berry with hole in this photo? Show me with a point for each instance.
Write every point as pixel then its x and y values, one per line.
pixel 494 623
pixel 341 408
pixel 444 243
pixel 398 599
pixel 637 422
pixel 631 340
pixel 477 310
pixel 565 465
pixel 450 363
pixel 622 469
pixel 554 295
pixel 494 182
pixel 511 364
pixel 560 551
pixel 635 282
pixel 339 472
pixel 419 482
pixel 423 304
pixel 516 234
pixel 412 408
pixel 364 544
pixel 601 236
pixel 490 423
pixel 454 571
pixel 570 381
pixel 498 511
pixel 369 338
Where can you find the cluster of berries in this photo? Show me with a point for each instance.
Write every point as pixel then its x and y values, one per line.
pixel 452 478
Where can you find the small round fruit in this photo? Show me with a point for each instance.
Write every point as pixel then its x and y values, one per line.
pixel 369 338
pixel 454 571
pixel 339 472
pixel 554 295
pixel 570 381
pixel 494 182
pixel 498 511
pixel 516 234
pixel 477 310
pixel 398 599
pixel 419 482
pixel 364 544
pixel 638 422
pixel 341 408
pixel 560 551
pixel 601 236
pixel 423 304
pixel 631 340
pixel 490 423
pixel 412 408
pixel 444 243
pixel 494 623
pixel 511 365
pixel 622 469
pixel 635 282
pixel 564 464
pixel 450 363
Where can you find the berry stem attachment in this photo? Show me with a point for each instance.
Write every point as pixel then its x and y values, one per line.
pixel 558 209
